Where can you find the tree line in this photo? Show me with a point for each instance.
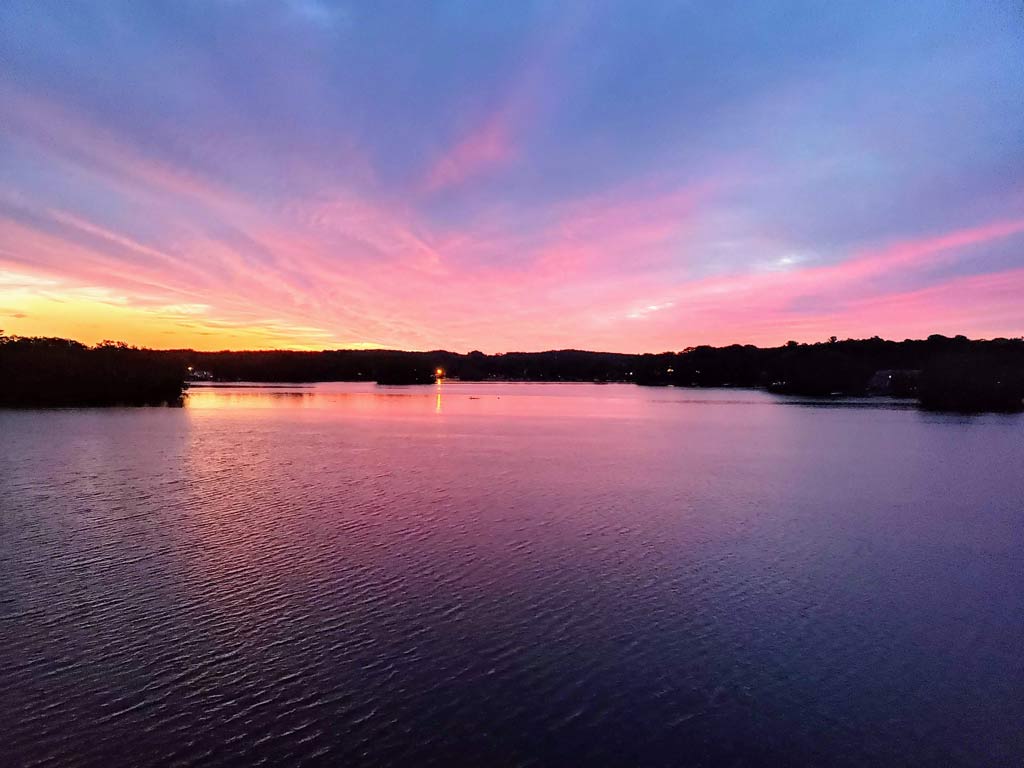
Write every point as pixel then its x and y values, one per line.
pixel 944 373
pixel 60 372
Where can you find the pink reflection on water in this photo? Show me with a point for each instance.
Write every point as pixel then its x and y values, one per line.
pixel 447 399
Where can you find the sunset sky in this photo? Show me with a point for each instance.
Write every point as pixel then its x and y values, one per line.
pixel 634 176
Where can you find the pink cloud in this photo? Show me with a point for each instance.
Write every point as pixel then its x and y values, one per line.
pixel 758 307
pixel 84 143
pixel 624 231
pixel 907 254
pixel 341 267
pixel 492 142
pixel 486 148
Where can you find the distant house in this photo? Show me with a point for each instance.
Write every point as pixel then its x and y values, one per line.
pixel 194 374
pixel 897 382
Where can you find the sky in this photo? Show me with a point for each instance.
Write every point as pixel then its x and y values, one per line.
pixel 620 176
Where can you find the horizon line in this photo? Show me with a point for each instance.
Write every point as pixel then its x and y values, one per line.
pixel 683 350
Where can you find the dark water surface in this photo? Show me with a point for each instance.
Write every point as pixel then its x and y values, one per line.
pixel 510 574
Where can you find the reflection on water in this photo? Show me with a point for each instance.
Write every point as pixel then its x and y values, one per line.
pixel 504 574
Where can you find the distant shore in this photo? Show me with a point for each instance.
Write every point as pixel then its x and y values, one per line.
pixel 942 373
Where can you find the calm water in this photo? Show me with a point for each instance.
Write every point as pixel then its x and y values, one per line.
pixel 510 574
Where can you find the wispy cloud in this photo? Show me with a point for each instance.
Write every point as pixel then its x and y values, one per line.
pixel 522 178
pixel 488 147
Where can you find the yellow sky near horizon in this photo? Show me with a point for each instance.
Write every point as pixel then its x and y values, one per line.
pixel 90 320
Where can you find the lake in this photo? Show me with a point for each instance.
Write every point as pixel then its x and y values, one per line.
pixel 504 574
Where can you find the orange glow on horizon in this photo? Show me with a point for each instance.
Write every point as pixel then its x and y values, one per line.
pixel 92 321
pixel 634 315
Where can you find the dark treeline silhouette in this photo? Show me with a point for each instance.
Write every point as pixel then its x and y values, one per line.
pixel 56 372
pixel 943 373
pixel 954 374
pixel 989 379
pixel 387 365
